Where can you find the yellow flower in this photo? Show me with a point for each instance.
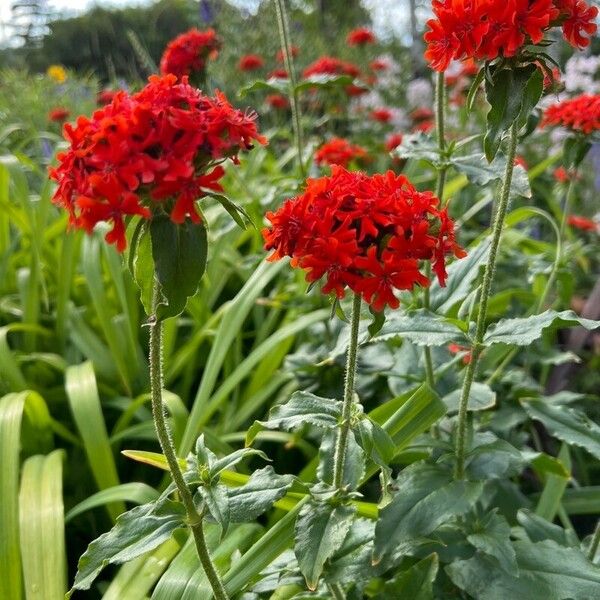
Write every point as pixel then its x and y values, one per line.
pixel 57 72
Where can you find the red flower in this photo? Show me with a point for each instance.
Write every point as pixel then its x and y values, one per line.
pixel 562 175
pixel 157 147
pixel 393 141
pixel 580 114
pixel 421 114
pixel 457 349
pixel 250 62
pixel 58 114
pixel 277 101
pixel 519 160
pixel 486 29
pixel 280 56
pixel 424 126
pixel 366 233
pixel 583 223
pixel 360 36
pixel 105 97
pixel 383 115
pixel 188 52
pixel 379 65
pixel 278 74
pixel 338 151
pixel 328 65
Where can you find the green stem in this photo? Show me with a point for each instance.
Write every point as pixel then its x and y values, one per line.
pixel 344 429
pixel 284 36
pixel 486 289
pixel 595 542
pixel 336 591
pixel 166 443
pixel 440 105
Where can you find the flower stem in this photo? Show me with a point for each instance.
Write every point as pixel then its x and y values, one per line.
pixel 284 36
pixel 344 428
pixel 486 288
pixel 595 542
pixel 166 443
pixel 440 101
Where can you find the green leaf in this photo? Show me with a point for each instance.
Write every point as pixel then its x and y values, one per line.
pixel 279 86
pixel 420 327
pixel 324 82
pixel 256 496
pixel 135 492
pixel 575 149
pixel 375 441
pixel 546 570
pixel 493 538
pixel 481 397
pixel 236 212
pixel 427 497
pixel 136 532
pixel 539 529
pixel 461 276
pixel 415 583
pixel 567 424
pixel 301 409
pixel 82 393
pixel 142 270
pixel 474 89
pixel 320 531
pixel 531 95
pixel 419 146
pixel 524 331
pixel 496 459
pixel 179 252
pixel 216 499
pixel 482 173
pixel 505 91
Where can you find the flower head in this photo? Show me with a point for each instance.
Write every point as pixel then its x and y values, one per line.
pixel 382 115
pixel 189 52
pixel 278 74
pixel 328 65
pixel 487 29
pixel 580 114
pixel 365 233
pixel 250 62
pixel 583 223
pixel 154 148
pixel 277 101
pixel 58 114
pixel 338 151
pixel 105 97
pixel 57 73
pixel 361 36
pixel 280 56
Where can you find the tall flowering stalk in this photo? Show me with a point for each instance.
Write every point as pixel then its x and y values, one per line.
pixel 153 155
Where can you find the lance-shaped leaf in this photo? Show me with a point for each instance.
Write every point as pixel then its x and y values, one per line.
pixel 493 538
pixel 421 327
pixel 136 532
pixel 301 409
pixel 481 397
pixel 480 172
pixel 415 583
pixel 539 529
pixel 546 570
pixel 179 252
pixel 567 424
pixel 320 531
pixel 354 462
pixel 250 500
pixel 524 331
pixel 426 497
pixel 216 500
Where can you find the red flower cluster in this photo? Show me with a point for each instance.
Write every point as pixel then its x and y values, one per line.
pixel 328 65
pixel 366 233
pixel 393 141
pixel 338 151
pixel 250 62
pixel 158 146
pixel 280 56
pixel 360 36
pixel 382 115
pixel 188 52
pixel 562 175
pixel 486 29
pixel 277 101
pixel 458 349
pixel 58 114
pixel 278 74
pixel 583 223
pixel 580 114
pixel 379 65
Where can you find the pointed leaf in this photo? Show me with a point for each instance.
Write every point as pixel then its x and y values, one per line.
pixel 493 539
pixel 415 583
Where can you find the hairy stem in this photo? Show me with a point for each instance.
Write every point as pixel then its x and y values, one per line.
pixel 344 428
pixel 486 289
pixel 285 40
pixel 166 443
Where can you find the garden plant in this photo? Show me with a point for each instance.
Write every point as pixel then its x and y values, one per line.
pixel 340 345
